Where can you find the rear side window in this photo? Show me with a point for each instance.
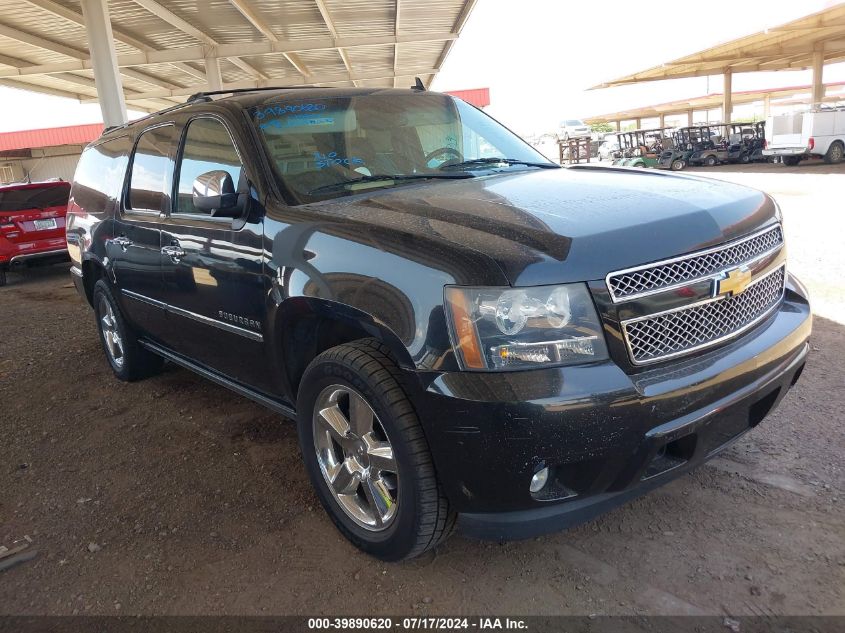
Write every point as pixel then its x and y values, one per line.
pixel 34 198
pixel 151 171
pixel 100 173
pixel 208 147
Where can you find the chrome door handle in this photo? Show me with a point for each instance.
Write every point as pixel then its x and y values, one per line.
pixel 123 242
pixel 174 252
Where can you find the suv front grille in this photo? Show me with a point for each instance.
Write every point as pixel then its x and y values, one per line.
pixel 645 280
pixel 665 335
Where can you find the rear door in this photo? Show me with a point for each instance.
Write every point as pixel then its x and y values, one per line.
pixel 135 248
pixel 212 267
pixel 32 217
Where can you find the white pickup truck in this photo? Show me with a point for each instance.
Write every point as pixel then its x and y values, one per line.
pixel 801 135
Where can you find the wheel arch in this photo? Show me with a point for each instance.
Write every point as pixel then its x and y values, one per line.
pixel 305 327
pixel 92 271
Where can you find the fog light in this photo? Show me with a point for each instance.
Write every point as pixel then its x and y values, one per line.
pixel 539 480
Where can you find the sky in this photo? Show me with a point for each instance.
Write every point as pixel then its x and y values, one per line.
pixel 538 57
pixel 538 67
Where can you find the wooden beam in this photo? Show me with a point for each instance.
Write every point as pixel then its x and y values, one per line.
pixel 189 29
pixel 327 18
pixel 396 19
pixel 41 42
pixel 120 35
pixel 261 25
pixel 199 53
pixel 337 78
pixel 463 16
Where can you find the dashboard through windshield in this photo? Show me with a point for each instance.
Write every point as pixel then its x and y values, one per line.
pixel 323 148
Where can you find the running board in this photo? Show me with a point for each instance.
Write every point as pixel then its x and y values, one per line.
pixel 239 389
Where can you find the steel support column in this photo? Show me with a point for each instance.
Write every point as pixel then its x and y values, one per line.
pixel 727 94
pixel 104 61
pixel 818 84
pixel 212 73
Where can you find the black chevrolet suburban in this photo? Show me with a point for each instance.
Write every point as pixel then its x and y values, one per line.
pixel 466 333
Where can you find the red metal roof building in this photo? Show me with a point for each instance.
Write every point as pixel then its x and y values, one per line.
pixel 50 137
pixel 479 97
pixel 44 154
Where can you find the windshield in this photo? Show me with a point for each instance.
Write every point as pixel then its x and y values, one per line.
pixel 574 123
pixel 324 148
pixel 30 197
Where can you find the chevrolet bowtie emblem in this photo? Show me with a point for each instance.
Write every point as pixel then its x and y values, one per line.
pixel 732 282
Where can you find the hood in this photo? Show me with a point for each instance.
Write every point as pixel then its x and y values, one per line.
pixel 565 225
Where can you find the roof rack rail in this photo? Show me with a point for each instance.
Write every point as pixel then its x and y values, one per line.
pixel 207 94
pixel 111 128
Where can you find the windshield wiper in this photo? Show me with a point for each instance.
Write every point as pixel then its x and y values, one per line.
pixel 387 177
pixel 486 162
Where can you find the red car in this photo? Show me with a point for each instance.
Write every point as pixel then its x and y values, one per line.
pixel 32 224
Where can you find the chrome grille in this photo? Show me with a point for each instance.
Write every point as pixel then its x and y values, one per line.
pixel 660 336
pixel 645 280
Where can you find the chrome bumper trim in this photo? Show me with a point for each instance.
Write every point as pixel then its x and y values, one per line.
pixel 26 256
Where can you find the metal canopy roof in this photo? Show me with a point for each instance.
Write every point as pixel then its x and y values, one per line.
pixel 790 46
pixel 833 92
pixel 162 46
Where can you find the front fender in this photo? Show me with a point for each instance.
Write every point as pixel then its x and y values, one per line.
pixel 371 279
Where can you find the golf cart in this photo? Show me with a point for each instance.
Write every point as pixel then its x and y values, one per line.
pixel 678 148
pixel 625 150
pixel 640 148
pixel 746 142
pixel 712 147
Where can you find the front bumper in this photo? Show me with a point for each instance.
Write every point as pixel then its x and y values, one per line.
pixel 606 436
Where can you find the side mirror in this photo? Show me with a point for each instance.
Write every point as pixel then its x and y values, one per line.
pixel 214 191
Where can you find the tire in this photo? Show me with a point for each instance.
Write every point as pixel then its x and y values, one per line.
pixel 835 153
pixel 710 161
pixel 791 161
pixel 745 159
pixel 678 164
pixel 417 516
pixel 128 360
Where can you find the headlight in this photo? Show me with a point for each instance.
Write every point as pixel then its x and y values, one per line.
pixel 498 329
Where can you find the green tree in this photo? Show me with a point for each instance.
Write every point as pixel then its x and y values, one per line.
pixel 601 126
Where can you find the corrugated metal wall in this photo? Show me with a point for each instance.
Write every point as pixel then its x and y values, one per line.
pixel 51 167
pixel 43 168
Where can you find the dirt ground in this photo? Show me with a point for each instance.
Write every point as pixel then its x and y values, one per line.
pixel 175 496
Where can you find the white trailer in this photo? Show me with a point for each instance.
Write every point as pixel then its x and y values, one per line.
pixel 801 135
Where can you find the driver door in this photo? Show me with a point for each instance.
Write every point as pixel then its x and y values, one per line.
pixel 212 267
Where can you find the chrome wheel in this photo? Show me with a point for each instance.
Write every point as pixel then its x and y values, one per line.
pixel 111 334
pixel 356 457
